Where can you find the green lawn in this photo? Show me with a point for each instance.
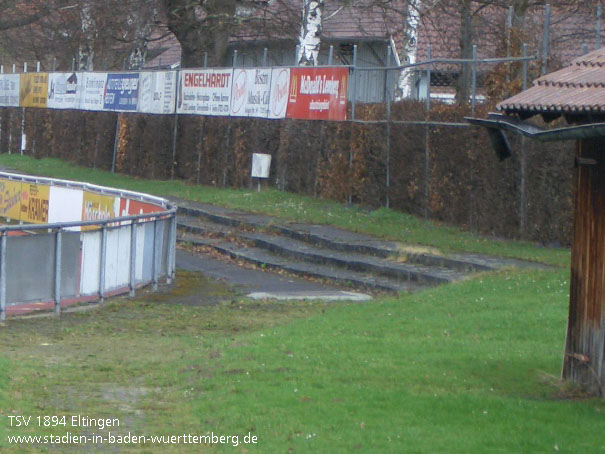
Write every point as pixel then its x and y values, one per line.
pixel 467 367
pixel 382 222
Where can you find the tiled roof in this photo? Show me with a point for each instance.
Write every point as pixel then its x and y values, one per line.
pixel 576 89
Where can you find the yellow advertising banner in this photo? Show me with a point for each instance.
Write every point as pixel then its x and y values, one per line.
pixel 10 199
pixel 34 203
pixel 97 207
pixel 33 90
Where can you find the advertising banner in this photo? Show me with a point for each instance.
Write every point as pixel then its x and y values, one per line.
pixel 93 91
pixel 205 92
pixel 97 207
pixel 318 93
pixel 250 93
pixel 280 85
pixel 33 90
pixel 64 90
pixel 9 90
pixel 10 199
pixel 157 92
pixel 134 207
pixel 121 92
pixel 34 203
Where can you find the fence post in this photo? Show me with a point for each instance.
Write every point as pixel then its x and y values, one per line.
pixel 154 264
pixel 234 61
pixel 3 277
pixel 23 135
pixel 171 251
pixel 265 55
pixel 133 257
pixel 387 98
pixel 545 39
pixel 354 98
pixel 427 106
pixel 103 262
pixel 58 269
pixel 598 26
pixel 205 59
pixel 116 142
pixel 330 55
pixel 297 51
pixel 474 80
pixel 524 47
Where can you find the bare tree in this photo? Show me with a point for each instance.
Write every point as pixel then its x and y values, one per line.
pixel 310 32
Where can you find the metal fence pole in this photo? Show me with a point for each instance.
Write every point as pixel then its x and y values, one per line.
pixel 545 39
pixel 58 269
pixel 330 55
pixel 3 277
pixel 23 135
pixel 133 257
pixel 598 26
pixel 474 80
pixel 154 265
pixel 354 94
pixel 387 98
pixel 205 59
pixel 524 66
pixel 234 61
pixel 116 142
pixel 103 262
pixel 265 56
pixel 297 51
pixel 170 250
pixel 427 153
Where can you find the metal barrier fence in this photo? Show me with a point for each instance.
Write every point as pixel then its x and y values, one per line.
pixel 70 262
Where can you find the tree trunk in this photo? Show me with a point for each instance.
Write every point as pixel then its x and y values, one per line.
pixel 410 46
pixel 310 33
pixel 198 34
pixel 86 50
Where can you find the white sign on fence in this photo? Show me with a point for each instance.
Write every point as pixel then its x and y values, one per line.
pixel 261 164
pixel 157 92
pixel 280 86
pixel 9 90
pixel 205 92
pixel 250 92
pixel 64 90
pixel 93 91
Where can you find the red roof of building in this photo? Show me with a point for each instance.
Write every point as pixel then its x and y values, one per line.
pixel 576 89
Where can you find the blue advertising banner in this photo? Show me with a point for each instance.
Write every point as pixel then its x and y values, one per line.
pixel 121 92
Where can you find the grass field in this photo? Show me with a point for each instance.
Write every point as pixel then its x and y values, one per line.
pixel 461 368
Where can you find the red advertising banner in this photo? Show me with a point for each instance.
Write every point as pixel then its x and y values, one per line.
pixel 318 93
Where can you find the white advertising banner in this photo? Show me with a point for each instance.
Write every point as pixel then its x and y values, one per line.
pixel 64 90
pixel 280 87
pixel 205 92
pixel 9 90
pixel 93 91
pixel 157 91
pixel 250 92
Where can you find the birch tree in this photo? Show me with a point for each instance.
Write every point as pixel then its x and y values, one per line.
pixel 310 33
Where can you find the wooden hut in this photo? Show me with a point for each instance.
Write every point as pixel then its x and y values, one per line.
pixel 576 93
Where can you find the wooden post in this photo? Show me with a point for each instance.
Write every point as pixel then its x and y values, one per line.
pixel 583 360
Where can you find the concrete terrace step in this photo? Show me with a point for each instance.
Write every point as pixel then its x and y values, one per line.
pixel 266 259
pixel 299 250
pixel 335 238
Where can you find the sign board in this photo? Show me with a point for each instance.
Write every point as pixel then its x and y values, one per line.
pixel 250 93
pixel 261 165
pixel 9 90
pixel 205 92
pixel 33 89
pixel 157 91
pixel 121 92
pixel 34 203
pixel 280 85
pixel 10 199
pixel 93 91
pixel 64 90
pixel 318 93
